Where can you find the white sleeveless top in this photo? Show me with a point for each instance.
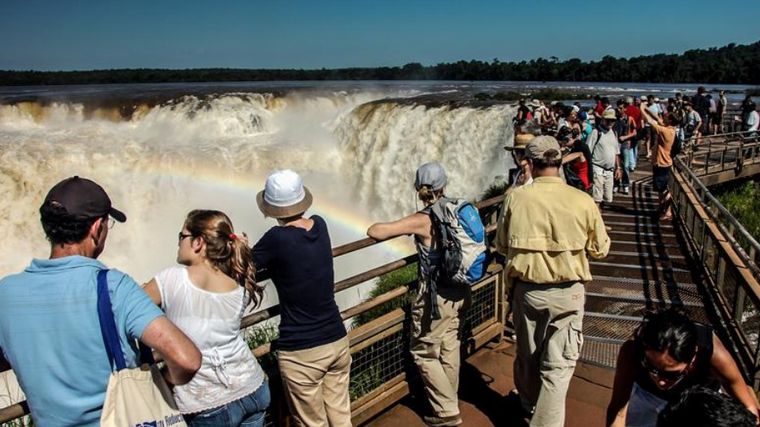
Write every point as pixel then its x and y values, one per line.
pixel 229 371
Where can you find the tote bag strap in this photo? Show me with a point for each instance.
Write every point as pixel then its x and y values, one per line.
pixel 108 324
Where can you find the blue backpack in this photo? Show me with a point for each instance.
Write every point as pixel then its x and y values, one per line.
pixel 462 241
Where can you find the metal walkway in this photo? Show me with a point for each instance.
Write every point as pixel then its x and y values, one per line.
pixel 646 269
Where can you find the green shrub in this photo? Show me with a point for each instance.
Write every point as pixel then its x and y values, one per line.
pixel 256 336
pixel 364 382
pixel 385 283
pixel 495 189
pixel 744 204
pixel 21 422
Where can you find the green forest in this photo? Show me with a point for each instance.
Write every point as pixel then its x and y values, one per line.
pixel 728 64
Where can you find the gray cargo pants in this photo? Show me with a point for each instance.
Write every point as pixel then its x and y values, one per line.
pixel 548 325
pixel 435 346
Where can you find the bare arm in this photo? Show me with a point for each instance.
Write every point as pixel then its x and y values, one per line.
pixel 622 386
pixel 573 156
pixel 724 367
pixel 151 288
pixel 180 354
pixel 646 115
pixel 416 223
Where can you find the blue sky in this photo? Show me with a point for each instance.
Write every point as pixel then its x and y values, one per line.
pixel 80 35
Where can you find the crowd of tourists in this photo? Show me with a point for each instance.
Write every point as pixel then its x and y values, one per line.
pixel 603 143
pixel 76 332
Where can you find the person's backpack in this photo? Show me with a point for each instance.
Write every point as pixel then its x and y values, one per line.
pixel 462 241
pixel 572 179
pixel 677 146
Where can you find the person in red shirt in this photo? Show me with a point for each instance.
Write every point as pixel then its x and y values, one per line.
pixel 633 111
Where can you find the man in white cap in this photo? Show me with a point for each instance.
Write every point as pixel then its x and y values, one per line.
pixel 546 231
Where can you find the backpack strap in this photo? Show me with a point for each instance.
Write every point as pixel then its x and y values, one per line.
pixel 108 324
pixel 437 215
pixel 596 144
pixel 435 274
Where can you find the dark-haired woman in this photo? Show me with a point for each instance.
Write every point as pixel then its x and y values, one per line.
pixel 668 354
pixel 206 297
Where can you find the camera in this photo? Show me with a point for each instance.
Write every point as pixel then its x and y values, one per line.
pixel 567 133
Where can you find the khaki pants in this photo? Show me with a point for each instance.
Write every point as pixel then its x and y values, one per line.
pixel 435 347
pixel 548 324
pixel 604 180
pixel 315 381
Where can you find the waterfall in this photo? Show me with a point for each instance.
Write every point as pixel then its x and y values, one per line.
pixel 357 152
pixel 383 143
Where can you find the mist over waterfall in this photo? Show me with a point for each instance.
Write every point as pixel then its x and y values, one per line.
pixel 357 152
pixel 383 143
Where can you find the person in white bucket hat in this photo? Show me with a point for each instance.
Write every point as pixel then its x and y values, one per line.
pixel 314 357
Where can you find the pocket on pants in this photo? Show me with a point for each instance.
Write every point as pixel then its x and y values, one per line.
pixel 574 343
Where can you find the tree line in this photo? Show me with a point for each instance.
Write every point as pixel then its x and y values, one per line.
pixel 728 64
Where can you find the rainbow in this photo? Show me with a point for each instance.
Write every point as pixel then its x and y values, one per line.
pixel 251 182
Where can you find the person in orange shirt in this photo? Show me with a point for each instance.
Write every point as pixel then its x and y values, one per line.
pixel 662 160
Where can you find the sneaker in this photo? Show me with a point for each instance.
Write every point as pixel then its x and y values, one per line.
pixel 615 189
pixel 626 190
pixel 436 421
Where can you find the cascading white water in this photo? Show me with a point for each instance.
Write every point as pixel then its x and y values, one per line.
pixel 384 143
pixel 356 151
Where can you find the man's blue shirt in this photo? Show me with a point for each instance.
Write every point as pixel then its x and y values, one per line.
pixel 50 334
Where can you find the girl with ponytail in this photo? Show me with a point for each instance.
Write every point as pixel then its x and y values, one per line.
pixel 206 296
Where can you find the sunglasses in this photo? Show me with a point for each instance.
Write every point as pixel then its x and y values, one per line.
pixel 182 236
pixel 670 376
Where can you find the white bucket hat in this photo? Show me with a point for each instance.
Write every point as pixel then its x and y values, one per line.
pixel 284 195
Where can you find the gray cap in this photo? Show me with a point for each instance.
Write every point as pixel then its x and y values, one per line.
pixel 540 145
pixel 431 175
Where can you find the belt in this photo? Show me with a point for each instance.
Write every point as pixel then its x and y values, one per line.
pixel 551 285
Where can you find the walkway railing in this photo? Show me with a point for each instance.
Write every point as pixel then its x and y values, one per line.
pixel 382 367
pixel 722 157
pixel 727 254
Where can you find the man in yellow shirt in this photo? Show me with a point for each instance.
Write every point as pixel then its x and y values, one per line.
pixel 547 230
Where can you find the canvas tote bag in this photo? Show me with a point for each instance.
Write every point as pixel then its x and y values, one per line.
pixel 137 397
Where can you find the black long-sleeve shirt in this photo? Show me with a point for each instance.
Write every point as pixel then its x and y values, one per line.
pixel 300 264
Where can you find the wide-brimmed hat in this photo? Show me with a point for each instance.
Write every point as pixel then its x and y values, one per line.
pixel 284 195
pixel 609 114
pixel 521 140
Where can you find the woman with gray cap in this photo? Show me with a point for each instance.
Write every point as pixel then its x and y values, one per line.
pixel 314 357
pixel 435 342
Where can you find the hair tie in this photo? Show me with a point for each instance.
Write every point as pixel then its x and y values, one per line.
pixel 233 236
